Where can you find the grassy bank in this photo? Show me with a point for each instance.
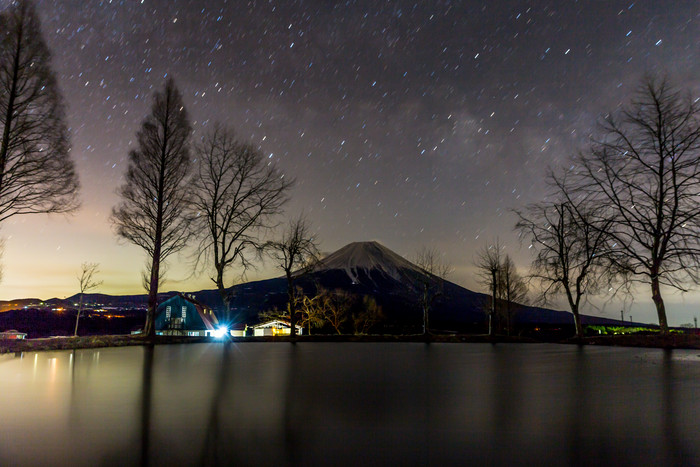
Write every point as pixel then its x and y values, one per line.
pixel 673 341
pixel 659 341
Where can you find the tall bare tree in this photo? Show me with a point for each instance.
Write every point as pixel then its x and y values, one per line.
pixel 572 249
pixel 295 252
pixel 87 282
pixel 646 168
pixel 237 192
pixel 432 283
pixel 155 194
pixel 488 263
pixel 36 172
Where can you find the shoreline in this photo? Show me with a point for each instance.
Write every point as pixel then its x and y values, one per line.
pixel 673 341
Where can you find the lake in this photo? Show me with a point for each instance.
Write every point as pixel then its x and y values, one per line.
pixel 351 404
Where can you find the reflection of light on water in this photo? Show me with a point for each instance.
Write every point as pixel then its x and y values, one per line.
pixel 51 383
pixel 36 359
pixel 53 364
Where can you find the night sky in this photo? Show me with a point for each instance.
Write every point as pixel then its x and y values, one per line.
pixel 408 123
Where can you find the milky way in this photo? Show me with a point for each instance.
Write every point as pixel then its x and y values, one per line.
pixel 408 123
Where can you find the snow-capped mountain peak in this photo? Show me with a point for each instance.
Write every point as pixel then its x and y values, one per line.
pixel 367 257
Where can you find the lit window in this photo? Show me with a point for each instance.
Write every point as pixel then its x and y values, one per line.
pixel 184 313
pixel 167 312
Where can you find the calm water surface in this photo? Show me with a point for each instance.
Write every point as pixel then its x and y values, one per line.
pixel 351 404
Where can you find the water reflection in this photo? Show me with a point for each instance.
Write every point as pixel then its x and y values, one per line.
pixel 212 446
pixel 291 418
pixel 146 397
pixel 350 404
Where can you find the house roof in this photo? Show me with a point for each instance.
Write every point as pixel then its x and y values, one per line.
pixel 192 300
pixel 207 316
pixel 276 323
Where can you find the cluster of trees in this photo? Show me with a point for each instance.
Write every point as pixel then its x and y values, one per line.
pixel 508 288
pixel 626 211
pixel 338 311
pixel 224 201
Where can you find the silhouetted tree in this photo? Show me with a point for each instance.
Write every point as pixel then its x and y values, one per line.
pixel 572 249
pixel 432 283
pixel 236 194
pixel 295 252
pixel 36 172
pixel 86 281
pixel 644 174
pixel 155 194
pixel 488 263
pixel 368 316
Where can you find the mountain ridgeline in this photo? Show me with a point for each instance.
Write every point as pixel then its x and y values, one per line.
pixel 371 269
pixel 360 269
pixel 368 269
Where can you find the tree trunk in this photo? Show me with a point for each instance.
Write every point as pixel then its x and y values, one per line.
pixel 224 295
pixel 149 329
pixel 290 305
pixel 426 310
pixel 659 302
pixel 492 312
pixel 577 321
pixel 77 318
pixel 508 312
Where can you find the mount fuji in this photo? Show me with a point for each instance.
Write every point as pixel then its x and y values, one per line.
pixel 371 269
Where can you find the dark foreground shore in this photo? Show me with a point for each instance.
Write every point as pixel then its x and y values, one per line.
pixel 672 341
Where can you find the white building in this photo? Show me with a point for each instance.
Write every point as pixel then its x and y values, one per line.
pixel 275 328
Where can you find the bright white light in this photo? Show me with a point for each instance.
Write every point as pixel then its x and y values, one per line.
pixel 220 332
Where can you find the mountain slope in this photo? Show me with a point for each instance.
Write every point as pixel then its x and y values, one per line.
pixel 363 258
pixel 369 268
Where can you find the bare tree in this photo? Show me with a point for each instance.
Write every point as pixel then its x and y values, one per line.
pixel 512 290
pixel 572 249
pixel 310 316
pixel 646 169
pixel 86 281
pixel 432 283
pixel 488 263
pixel 335 307
pixel 308 309
pixel 236 193
pixel 155 194
pixel 36 172
pixel 295 252
pixel 371 313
